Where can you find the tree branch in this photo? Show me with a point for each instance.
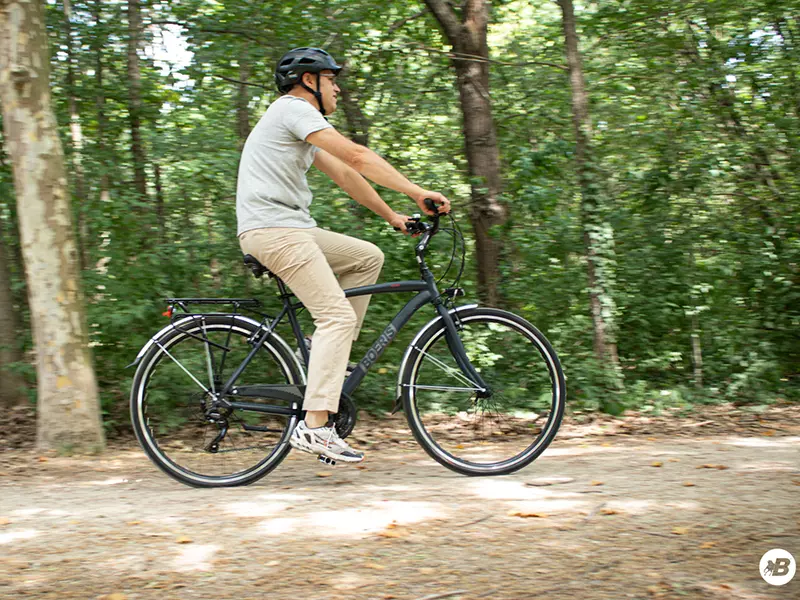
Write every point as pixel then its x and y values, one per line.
pixel 399 23
pixel 232 80
pixel 475 58
pixel 193 28
pixel 447 18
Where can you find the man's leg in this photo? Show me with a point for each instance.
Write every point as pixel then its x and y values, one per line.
pixel 294 256
pixel 356 262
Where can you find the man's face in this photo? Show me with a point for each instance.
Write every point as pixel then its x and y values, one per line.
pixel 327 87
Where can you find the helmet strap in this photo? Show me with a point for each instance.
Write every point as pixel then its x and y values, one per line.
pixel 317 93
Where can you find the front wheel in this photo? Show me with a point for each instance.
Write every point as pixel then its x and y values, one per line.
pixel 493 435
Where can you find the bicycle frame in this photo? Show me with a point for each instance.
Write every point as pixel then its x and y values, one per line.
pixel 427 293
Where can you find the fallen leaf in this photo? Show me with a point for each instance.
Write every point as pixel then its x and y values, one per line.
pixel 392 534
pixel 653 590
pixel 709 466
pixel 133 523
pixel 526 515
pixel 427 570
pixel 674 459
pixel 652 439
pixel 656 464
pixel 707 545
pixel 324 474
pixel 374 566
pixel 768 433
pixel 680 530
pixel 605 445
pixel 5 521
pixel 459 446
pixel 688 484
pixel 545 481
pixel 725 586
pixel 796 481
pixel 42 459
pixel 116 596
pixel 596 483
pixel 609 511
pixel 184 540
pixel 361 467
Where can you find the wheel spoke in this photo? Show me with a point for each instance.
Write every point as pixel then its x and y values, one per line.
pixel 475 433
pixel 177 417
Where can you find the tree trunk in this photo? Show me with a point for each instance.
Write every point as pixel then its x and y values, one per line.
pixel 12 385
pixel 135 98
pixel 68 407
pixel 76 135
pixel 597 235
pixel 160 206
pixel 243 101
pixel 468 36
pixel 357 122
pixel 98 42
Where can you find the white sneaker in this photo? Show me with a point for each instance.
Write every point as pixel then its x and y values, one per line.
pixel 324 441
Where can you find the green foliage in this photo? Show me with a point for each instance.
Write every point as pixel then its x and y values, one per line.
pixel 695 162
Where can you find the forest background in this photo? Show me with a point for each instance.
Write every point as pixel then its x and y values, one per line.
pixel 634 193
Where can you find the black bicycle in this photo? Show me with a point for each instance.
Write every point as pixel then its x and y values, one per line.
pixel 216 395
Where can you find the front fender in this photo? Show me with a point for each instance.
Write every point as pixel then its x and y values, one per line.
pixel 432 323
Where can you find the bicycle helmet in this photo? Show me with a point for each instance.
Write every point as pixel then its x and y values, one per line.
pixel 294 63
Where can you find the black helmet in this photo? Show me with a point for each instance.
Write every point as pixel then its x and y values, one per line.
pixel 294 63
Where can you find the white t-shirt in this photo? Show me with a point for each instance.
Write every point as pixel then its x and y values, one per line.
pixel 272 190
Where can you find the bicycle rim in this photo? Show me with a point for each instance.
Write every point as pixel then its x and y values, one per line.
pixel 176 423
pixel 494 435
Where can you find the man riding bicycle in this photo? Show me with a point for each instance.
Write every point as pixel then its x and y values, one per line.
pixel 275 226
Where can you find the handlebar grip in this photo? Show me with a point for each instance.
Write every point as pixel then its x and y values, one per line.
pixel 431 205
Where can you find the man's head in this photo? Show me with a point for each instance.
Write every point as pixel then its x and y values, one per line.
pixel 312 70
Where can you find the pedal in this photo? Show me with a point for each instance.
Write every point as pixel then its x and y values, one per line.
pixel 325 460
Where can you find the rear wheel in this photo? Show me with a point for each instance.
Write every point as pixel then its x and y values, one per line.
pixel 476 435
pixel 184 431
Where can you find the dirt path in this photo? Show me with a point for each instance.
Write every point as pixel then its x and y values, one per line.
pixel 620 516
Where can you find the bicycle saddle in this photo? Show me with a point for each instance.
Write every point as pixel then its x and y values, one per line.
pixel 256 267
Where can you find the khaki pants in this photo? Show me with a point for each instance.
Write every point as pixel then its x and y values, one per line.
pixel 309 260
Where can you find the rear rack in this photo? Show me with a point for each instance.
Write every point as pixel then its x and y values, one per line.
pixel 183 304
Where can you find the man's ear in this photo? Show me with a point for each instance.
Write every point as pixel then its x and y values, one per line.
pixel 311 81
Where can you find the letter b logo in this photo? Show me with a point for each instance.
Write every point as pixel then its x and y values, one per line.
pixel 777 567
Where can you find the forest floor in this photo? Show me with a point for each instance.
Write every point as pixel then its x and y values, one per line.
pixel 634 507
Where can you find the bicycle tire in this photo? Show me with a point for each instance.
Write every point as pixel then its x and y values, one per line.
pixel 243 330
pixel 426 425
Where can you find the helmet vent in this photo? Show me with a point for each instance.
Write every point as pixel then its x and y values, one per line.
pixel 307 61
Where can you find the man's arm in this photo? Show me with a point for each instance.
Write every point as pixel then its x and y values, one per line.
pixel 370 165
pixel 357 187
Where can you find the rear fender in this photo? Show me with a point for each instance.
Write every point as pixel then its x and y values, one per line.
pixel 274 339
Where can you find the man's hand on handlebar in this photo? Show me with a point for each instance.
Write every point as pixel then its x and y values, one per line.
pixel 443 204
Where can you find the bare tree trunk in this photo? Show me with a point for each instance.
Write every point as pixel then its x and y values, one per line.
pixel 135 97
pixel 68 407
pixel 468 36
pixel 98 41
pixel 12 385
pixel 697 352
pixel 243 101
pixel 76 135
pixel 160 207
pixel 357 122
pixel 597 236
